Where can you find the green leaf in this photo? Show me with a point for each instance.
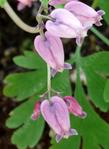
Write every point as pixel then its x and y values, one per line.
pixel 99 62
pixel 29 134
pixel 95 68
pixel 105 6
pixel 96 85
pixel 23 85
pixel 106 92
pixel 29 131
pixel 71 143
pixel 20 115
pixel 2 2
pixel 61 83
pixel 30 60
pixel 93 129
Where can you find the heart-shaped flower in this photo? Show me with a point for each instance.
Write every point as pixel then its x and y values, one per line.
pixel 65 24
pixel 50 48
pixel 56 114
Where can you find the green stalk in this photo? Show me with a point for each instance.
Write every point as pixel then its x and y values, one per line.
pixel 100 36
pixel 95 3
pixel 49 81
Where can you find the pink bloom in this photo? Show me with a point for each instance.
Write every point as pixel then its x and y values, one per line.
pixel 58 2
pixel 23 3
pixel 87 15
pixel 56 114
pixel 51 50
pixel 65 24
pixel 74 107
pixel 36 112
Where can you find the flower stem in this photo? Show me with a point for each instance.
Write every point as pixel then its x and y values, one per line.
pixel 49 81
pixel 18 21
pixel 100 36
pixel 95 3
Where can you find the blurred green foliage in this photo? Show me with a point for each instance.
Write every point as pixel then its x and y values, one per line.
pixel 2 2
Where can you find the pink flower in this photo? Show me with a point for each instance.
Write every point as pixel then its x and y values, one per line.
pixel 87 15
pixel 65 24
pixel 74 107
pixel 56 114
pixel 58 2
pixel 23 3
pixel 36 112
pixel 51 50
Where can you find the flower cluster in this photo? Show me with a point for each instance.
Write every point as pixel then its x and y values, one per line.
pixel 72 21
pixel 56 113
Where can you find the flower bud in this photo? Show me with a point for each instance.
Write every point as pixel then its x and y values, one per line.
pixel 86 15
pixel 36 112
pixel 74 107
pixel 56 114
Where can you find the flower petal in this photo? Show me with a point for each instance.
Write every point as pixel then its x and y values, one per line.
pixel 86 14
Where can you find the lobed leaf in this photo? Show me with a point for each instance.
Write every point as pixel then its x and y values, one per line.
pixel 99 62
pixel 29 134
pixel 28 131
pixel 21 114
pixel 24 85
pixel 96 69
pixel 30 60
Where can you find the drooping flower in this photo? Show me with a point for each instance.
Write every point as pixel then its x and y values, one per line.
pixel 23 3
pixel 56 114
pixel 87 15
pixel 51 50
pixel 65 24
pixel 74 107
pixel 58 2
pixel 36 111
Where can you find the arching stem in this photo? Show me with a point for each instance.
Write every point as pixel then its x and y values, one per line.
pixel 18 21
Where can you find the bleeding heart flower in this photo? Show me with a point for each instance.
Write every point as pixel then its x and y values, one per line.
pixel 56 114
pixel 65 24
pixel 87 15
pixel 36 112
pixel 23 3
pixel 58 2
pixel 50 48
pixel 74 107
